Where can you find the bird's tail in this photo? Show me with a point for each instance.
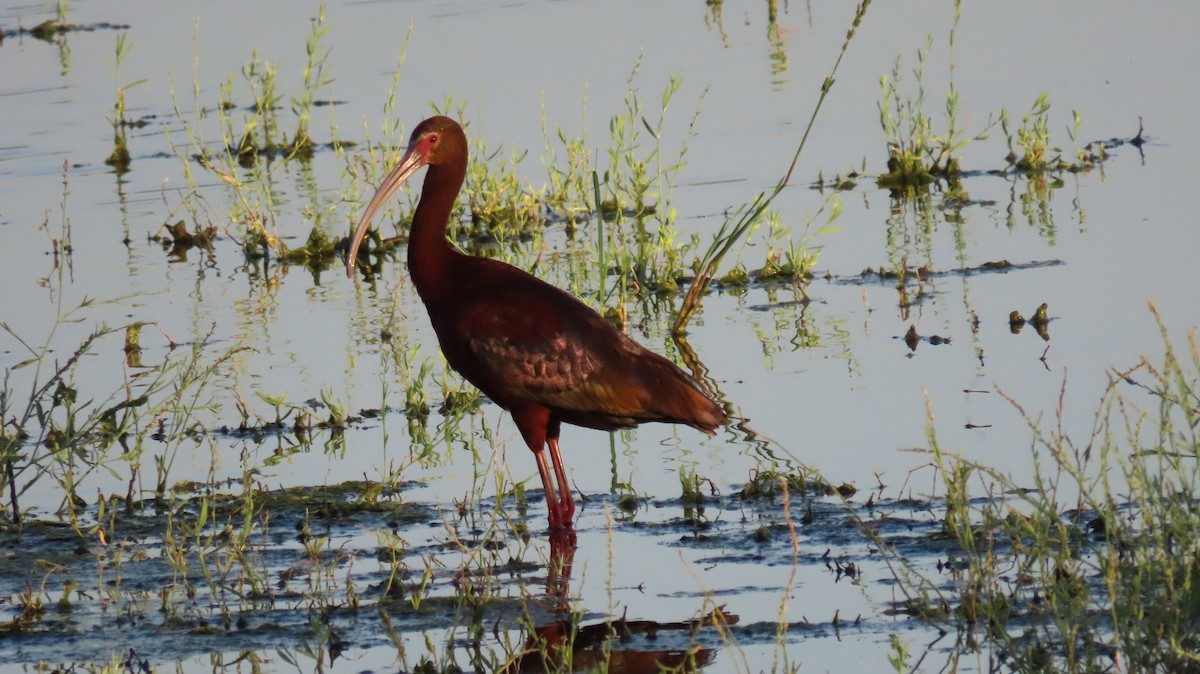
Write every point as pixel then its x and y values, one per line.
pixel 677 399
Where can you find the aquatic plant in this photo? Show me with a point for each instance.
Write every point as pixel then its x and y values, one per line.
pixel 1033 138
pixel 917 154
pixel 1088 564
pixel 223 553
pixel 119 159
pixel 315 79
pixel 732 231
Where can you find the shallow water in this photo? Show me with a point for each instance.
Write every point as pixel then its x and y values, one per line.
pixel 830 383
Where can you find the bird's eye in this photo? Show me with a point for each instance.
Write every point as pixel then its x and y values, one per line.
pixel 433 138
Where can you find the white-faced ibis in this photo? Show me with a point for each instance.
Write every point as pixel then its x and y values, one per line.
pixel 536 351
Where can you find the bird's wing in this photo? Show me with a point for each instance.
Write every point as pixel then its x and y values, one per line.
pixel 542 350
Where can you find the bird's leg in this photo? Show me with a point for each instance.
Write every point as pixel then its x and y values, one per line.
pixel 553 508
pixel 537 426
pixel 566 501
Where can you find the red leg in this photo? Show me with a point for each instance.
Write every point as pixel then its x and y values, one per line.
pixel 553 512
pixel 535 425
pixel 566 500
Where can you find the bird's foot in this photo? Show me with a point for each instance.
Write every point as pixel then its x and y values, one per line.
pixel 560 512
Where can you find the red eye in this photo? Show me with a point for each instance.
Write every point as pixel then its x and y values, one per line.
pixel 432 138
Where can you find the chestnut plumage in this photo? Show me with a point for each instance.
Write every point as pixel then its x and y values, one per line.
pixel 536 351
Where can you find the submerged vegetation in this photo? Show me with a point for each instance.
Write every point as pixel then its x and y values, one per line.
pixel 1090 566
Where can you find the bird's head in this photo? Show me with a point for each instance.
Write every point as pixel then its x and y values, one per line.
pixel 436 141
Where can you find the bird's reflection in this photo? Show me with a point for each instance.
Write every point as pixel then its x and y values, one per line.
pixel 617 645
pixel 562 556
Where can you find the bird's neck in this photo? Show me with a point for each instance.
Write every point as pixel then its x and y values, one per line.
pixel 431 259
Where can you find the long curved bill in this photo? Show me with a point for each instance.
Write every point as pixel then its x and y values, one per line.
pixel 412 160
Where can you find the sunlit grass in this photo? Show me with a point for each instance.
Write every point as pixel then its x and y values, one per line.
pixel 246 548
pixel 1091 563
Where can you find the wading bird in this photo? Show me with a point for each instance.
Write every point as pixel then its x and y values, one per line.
pixel 536 351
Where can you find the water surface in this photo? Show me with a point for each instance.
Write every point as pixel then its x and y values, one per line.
pixel 829 383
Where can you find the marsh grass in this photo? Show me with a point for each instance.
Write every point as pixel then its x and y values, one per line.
pixel 917 154
pixel 261 133
pixel 1031 579
pixel 924 174
pixel 643 241
pixel 733 231
pixel 502 213
pixel 251 150
pixel 1091 565
pixel 59 426
pixel 120 159
pixel 637 242
pixel 574 182
pixel 1033 138
pixel 503 208
pixel 215 537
